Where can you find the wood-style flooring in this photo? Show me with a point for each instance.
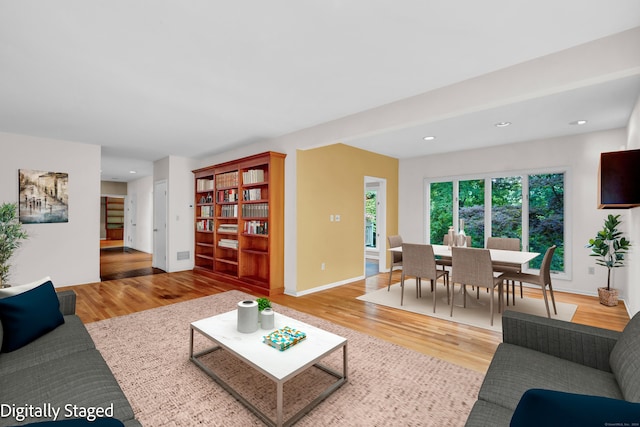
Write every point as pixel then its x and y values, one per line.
pixel 464 345
pixel 119 262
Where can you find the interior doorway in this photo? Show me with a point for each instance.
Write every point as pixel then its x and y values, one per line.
pixel 160 225
pixel 118 261
pixel 375 207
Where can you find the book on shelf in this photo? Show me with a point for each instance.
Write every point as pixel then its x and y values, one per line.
pixel 255 210
pixel 284 338
pixel 252 194
pixel 228 243
pixel 229 211
pixel 256 227
pixel 253 176
pixel 229 179
pixel 204 184
pixel 229 195
pixel 206 211
pixel 205 225
pixel 228 228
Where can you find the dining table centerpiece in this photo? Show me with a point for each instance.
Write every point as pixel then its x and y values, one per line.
pixel 609 246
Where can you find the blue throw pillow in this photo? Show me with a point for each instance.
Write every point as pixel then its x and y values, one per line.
pixel 550 408
pixel 29 315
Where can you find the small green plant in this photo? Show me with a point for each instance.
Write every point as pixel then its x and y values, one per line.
pixel 11 236
pixel 610 246
pixel 263 303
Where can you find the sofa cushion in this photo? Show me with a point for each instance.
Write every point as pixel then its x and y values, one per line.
pixel 515 369
pixel 18 289
pixel 553 408
pixel 82 379
pixel 68 338
pixel 29 315
pixel 625 360
pixel 15 290
pixel 485 414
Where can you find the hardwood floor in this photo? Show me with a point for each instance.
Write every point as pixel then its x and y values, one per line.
pixel 464 345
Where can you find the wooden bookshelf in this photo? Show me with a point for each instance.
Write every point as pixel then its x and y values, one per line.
pixel 114 218
pixel 239 222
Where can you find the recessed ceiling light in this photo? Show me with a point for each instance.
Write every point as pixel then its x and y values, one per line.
pixel 133 172
pixel 429 138
pixel 502 124
pixel 578 122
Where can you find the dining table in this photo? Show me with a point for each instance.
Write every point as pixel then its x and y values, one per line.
pixel 502 256
pixel 497 255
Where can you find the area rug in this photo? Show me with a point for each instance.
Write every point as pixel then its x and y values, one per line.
pixel 476 313
pixel 388 385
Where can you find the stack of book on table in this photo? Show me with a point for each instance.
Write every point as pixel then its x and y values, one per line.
pixel 284 338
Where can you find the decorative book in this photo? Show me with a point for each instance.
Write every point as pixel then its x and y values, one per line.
pixel 284 338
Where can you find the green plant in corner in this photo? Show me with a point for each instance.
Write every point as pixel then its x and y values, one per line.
pixel 11 236
pixel 609 246
pixel 263 303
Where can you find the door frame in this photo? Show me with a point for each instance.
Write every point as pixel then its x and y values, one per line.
pixel 381 222
pixel 160 231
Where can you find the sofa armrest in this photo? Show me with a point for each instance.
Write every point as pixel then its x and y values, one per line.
pixel 67 302
pixel 586 345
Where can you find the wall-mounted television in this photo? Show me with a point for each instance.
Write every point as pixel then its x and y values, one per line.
pixel 619 180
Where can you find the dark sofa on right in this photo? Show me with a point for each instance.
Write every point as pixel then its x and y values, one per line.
pixel 550 372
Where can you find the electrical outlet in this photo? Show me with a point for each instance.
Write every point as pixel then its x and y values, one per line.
pixel 322 266
pixel 592 270
pixel 337 218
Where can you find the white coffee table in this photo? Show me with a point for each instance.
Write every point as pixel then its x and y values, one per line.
pixel 279 366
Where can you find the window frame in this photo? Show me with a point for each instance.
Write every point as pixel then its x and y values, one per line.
pixel 524 174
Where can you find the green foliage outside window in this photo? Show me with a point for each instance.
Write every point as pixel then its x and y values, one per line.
pixel 546 217
pixel 370 208
pixel 545 204
pixel 441 210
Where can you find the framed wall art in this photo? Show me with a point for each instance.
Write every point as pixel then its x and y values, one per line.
pixel 43 196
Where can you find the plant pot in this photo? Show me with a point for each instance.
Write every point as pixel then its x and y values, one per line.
pixel 608 297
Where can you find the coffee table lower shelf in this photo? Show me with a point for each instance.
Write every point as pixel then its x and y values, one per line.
pixel 341 378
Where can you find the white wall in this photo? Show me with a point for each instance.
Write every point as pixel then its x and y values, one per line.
pixel 140 237
pixel 67 252
pixel 633 300
pixel 177 171
pixel 579 153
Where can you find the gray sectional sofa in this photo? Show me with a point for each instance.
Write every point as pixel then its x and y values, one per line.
pixel 548 354
pixel 61 370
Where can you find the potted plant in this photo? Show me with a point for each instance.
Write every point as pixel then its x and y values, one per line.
pixel 610 247
pixel 263 303
pixel 11 236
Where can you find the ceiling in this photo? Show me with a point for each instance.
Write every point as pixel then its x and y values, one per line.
pixel 147 79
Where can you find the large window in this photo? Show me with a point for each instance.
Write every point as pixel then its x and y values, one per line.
pixel 506 207
pixel 546 217
pixel 441 210
pixel 471 210
pixel 495 206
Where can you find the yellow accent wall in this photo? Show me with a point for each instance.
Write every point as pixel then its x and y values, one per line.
pixel 330 181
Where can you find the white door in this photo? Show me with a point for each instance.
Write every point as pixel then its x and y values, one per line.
pixel 159 259
pixel 130 226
